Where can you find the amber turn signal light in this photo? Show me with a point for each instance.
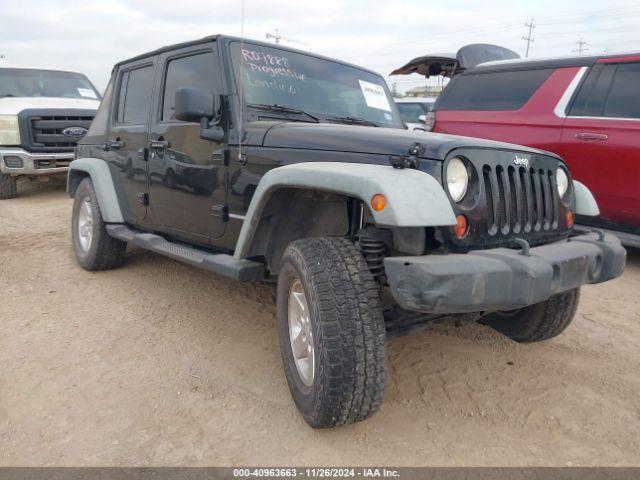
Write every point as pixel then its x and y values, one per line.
pixel 460 229
pixel 378 202
pixel 569 218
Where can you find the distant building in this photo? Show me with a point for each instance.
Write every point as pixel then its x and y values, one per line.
pixel 424 91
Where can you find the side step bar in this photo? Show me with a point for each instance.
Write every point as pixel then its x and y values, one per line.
pixel 221 263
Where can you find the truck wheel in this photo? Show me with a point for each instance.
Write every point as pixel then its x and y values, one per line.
pixel 8 187
pixel 93 247
pixel 332 333
pixel 538 322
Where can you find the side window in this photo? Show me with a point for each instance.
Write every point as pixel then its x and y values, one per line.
pixel 592 95
pixel 99 125
pixel 623 100
pixel 193 71
pixel 492 91
pixel 135 96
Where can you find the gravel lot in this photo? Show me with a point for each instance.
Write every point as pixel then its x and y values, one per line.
pixel 159 363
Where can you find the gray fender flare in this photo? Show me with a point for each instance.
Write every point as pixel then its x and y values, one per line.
pixel 585 201
pixel 414 198
pixel 98 170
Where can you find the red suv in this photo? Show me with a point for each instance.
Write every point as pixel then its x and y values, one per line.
pixel 585 109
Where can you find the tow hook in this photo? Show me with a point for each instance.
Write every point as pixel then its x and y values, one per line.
pixel 524 246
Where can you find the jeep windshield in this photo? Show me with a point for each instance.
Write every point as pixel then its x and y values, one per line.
pixel 278 83
pixel 25 82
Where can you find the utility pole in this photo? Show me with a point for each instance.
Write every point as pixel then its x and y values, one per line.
pixel 582 46
pixel 529 38
pixel 276 36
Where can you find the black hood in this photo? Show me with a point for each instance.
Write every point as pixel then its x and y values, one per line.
pixel 360 139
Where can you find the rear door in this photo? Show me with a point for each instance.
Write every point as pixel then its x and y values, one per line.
pixel 127 137
pixel 187 181
pixel 600 138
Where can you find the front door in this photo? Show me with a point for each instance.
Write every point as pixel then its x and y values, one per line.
pixel 600 139
pixel 128 136
pixel 187 177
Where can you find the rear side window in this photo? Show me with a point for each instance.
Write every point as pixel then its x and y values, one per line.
pixel 492 91
pixel 135 96
pixel 193 71
pixel 99 125
pixel 624 99
pixel 591 97
pixel 610 90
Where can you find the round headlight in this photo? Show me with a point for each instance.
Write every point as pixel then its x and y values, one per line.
pixel 457 179
pixel 562 180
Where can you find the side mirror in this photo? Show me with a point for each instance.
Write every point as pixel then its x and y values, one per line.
pixel 423 118
pixel 192 104
pixel 199 105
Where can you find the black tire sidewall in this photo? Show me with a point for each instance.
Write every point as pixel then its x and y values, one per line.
pixel 305 397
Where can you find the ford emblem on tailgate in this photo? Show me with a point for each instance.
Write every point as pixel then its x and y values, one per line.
pixel 74 131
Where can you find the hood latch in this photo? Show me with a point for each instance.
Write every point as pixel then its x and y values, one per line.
pixel 411 160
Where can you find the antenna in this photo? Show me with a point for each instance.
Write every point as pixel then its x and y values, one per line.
pixel 529 38
pixel 241 84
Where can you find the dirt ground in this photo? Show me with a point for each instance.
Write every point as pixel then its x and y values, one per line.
pixel 159 363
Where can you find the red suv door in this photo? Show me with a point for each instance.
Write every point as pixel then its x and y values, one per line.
pixel 601 138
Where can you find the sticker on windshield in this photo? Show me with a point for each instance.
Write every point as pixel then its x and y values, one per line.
pixel 375 96
pixel 87 93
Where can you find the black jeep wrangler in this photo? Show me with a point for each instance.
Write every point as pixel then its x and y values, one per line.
pixel 259 162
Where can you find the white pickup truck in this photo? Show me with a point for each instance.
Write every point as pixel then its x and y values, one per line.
pixel 43 113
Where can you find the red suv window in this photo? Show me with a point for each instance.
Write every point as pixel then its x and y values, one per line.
pixel 610 90
pixel 492 90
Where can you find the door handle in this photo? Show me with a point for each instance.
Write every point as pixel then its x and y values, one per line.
pixel 591 136
pixel 158 144
pixel 115 145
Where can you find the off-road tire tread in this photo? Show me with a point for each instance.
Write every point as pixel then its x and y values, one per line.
pixel 8 187
pixel 108 252
pixel 352 347
pixel 539 322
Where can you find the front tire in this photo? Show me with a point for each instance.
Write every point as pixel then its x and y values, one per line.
pixel 8 186
pixel 538 322
pixel 93 247
pixel 332 333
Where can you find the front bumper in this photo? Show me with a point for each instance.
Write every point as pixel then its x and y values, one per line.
pixel 501 278
pixel 16 161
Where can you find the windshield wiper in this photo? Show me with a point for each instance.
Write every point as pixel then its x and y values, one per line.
pixel 282 109
pixel 353 121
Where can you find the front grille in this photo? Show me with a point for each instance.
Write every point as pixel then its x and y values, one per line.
pixel 46 131
pixel 54 163
pixel 507 200
pixel 520 200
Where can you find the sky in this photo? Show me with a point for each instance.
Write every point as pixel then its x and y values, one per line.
pixel 381 35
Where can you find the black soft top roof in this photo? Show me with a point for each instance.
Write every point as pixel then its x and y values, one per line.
pixel 167 48
pixel 230 38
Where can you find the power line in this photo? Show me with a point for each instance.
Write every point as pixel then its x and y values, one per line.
pixel 569 18
pixel 529 38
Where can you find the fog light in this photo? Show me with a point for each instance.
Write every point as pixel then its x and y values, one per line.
pixel 460 230
pixel 378 202
pixel 569 218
